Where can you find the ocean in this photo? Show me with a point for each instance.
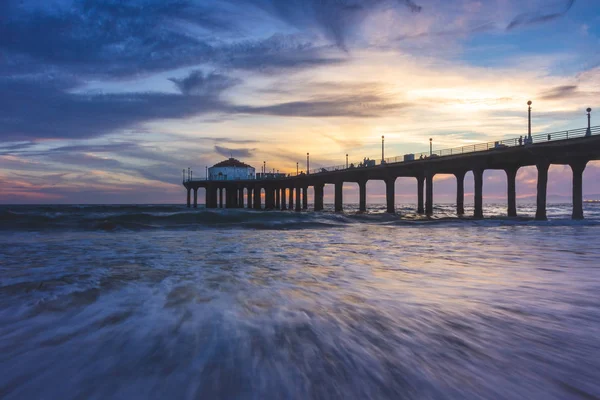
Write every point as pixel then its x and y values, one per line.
pixel 161 301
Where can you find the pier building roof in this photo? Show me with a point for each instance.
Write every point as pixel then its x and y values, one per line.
pixel 232 162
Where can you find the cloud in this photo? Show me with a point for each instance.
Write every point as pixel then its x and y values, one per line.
pixel 461 31
pixel 200 84
pixel 235 153
pixel 94 114
pixel 114 39
pixel 560 92
pixel 61 114
pixel 277 53
pixel 335 19
pixel 366 106
pixel 539 16
pixel 110 38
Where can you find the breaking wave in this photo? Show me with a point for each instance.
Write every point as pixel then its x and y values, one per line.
pixel 148 217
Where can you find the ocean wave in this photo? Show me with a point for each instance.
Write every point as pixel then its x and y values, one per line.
pixel 113 218
pixel 131 218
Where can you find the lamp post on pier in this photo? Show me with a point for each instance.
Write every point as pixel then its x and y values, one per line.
pixel 307 164
pixel 588 131
pixel 382 149
pixel 183 175
pixel 296 169
pixel 206 172
pixel 430 146
pixel 264 168
pixel 346 160
pixel 529 140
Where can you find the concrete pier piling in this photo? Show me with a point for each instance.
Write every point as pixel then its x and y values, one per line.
pixel 511 189
pixel 319 196
pixel 578 168
pixel 298 198
pixel 256 193
pixel 542 186
pixel 390 195
pixel 362 202
pixel 478 193
pixel 338 196
pixel 305 197
pixel 429 192
pixel 420 188
pixel 460 192
pixel 283 199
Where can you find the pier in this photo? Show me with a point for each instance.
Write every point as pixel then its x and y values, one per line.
pixel 574 148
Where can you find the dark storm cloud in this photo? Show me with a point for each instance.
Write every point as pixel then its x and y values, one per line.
pixel 235 153
pixel 540 16
pixel 109 37
pixel 198 83
pixel 276 53
pixel 116 39
pixel 55 50
pixel 559 92
pixel 334 18
pixel 349 106
pixel 32 110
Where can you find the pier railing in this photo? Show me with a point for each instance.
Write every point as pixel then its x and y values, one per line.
pixel 470 148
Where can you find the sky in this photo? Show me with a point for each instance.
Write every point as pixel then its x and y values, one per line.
pixel 106 101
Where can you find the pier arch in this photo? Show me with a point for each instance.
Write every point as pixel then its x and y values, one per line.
pixel 382 191
pixel 526 182
pixel 329 194
pixel 406 194
pixel 351 195
pixel 200 195
pixel 375 190
pixel 311 194
pixel 495 191
pixel 445 192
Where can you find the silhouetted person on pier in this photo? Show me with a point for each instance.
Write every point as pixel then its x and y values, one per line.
pixel 521 140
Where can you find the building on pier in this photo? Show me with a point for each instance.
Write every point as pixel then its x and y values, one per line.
pixel 230 170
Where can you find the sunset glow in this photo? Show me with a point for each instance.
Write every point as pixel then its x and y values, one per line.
pixel 270 81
